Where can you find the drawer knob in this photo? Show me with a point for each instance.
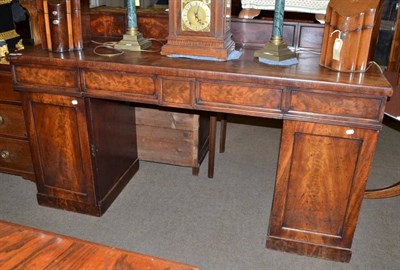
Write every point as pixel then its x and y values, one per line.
pixel 5 154
pixel 1 120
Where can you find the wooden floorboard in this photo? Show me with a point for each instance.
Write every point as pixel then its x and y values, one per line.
pixel 28 248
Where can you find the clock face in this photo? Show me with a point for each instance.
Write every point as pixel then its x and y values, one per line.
pixel 196 15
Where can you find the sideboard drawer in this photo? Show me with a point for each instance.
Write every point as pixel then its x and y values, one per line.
pixel 240 95
pixel 106 82
pixel 50 78
pixel 6 89
pixel 15 156
pixel 12 121
pixel 334 105
pixel 177 92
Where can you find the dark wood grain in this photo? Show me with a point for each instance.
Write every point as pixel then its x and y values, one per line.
pixel 15 155
pixel 107 22
pixel 28 248
pixel 60 32
pixel 65 79
pixel 320 184
pixel 55 123
pixel 255 33
pixel 12 121
pixel 7 93
pixel 114 151
pixel 87 134
pixel 153 23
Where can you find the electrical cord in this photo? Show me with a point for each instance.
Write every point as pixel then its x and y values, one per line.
pixel 111 46
pixel 108 45
pixel 369 65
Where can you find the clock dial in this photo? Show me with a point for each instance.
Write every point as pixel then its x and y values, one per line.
pixel 196 16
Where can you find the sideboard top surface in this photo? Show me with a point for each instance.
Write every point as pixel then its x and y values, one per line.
pixel 308 73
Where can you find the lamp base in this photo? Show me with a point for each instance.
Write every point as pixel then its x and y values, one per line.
pixel 133 41
pixel 276 50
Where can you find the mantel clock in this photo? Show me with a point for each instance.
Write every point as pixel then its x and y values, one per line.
pixel 199 28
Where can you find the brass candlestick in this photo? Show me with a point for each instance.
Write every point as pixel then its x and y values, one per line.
pixel 276 50
pixel 133 39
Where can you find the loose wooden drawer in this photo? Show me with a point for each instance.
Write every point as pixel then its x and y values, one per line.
pixel 121 82
pixel 15 155
pixel 328 104
pixel 12 121
pixel 49 78
pixel 166 119
pixel 171 137
pixel 165 145
pixel 6 89
pixel 240 95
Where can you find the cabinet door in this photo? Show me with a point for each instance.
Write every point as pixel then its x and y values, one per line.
pixel 60 147
pixel 321 178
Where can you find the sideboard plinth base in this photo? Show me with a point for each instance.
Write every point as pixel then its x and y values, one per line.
pixel 308 249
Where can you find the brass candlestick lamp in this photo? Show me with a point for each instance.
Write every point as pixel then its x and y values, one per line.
pixel 133 40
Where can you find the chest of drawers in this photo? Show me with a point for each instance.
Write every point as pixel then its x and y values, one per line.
pixel 15 156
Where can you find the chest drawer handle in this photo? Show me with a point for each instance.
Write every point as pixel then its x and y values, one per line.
pixel 1 120
pixel 5 154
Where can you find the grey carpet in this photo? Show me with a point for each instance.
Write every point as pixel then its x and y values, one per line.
pixel 218 223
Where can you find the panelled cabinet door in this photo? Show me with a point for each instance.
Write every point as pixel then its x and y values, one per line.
pixel 61 152
pixel 321 178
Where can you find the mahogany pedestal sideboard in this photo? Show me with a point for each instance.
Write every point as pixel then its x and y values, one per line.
pixel 79 112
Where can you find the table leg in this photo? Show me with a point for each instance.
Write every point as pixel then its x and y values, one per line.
pixel 211 147
pixel 222 134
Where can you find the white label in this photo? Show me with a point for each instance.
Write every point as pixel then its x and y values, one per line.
pixel 337 47
pixel 74 102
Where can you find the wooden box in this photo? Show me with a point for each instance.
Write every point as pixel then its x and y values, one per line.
pixel 348 32
pixel 176 138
